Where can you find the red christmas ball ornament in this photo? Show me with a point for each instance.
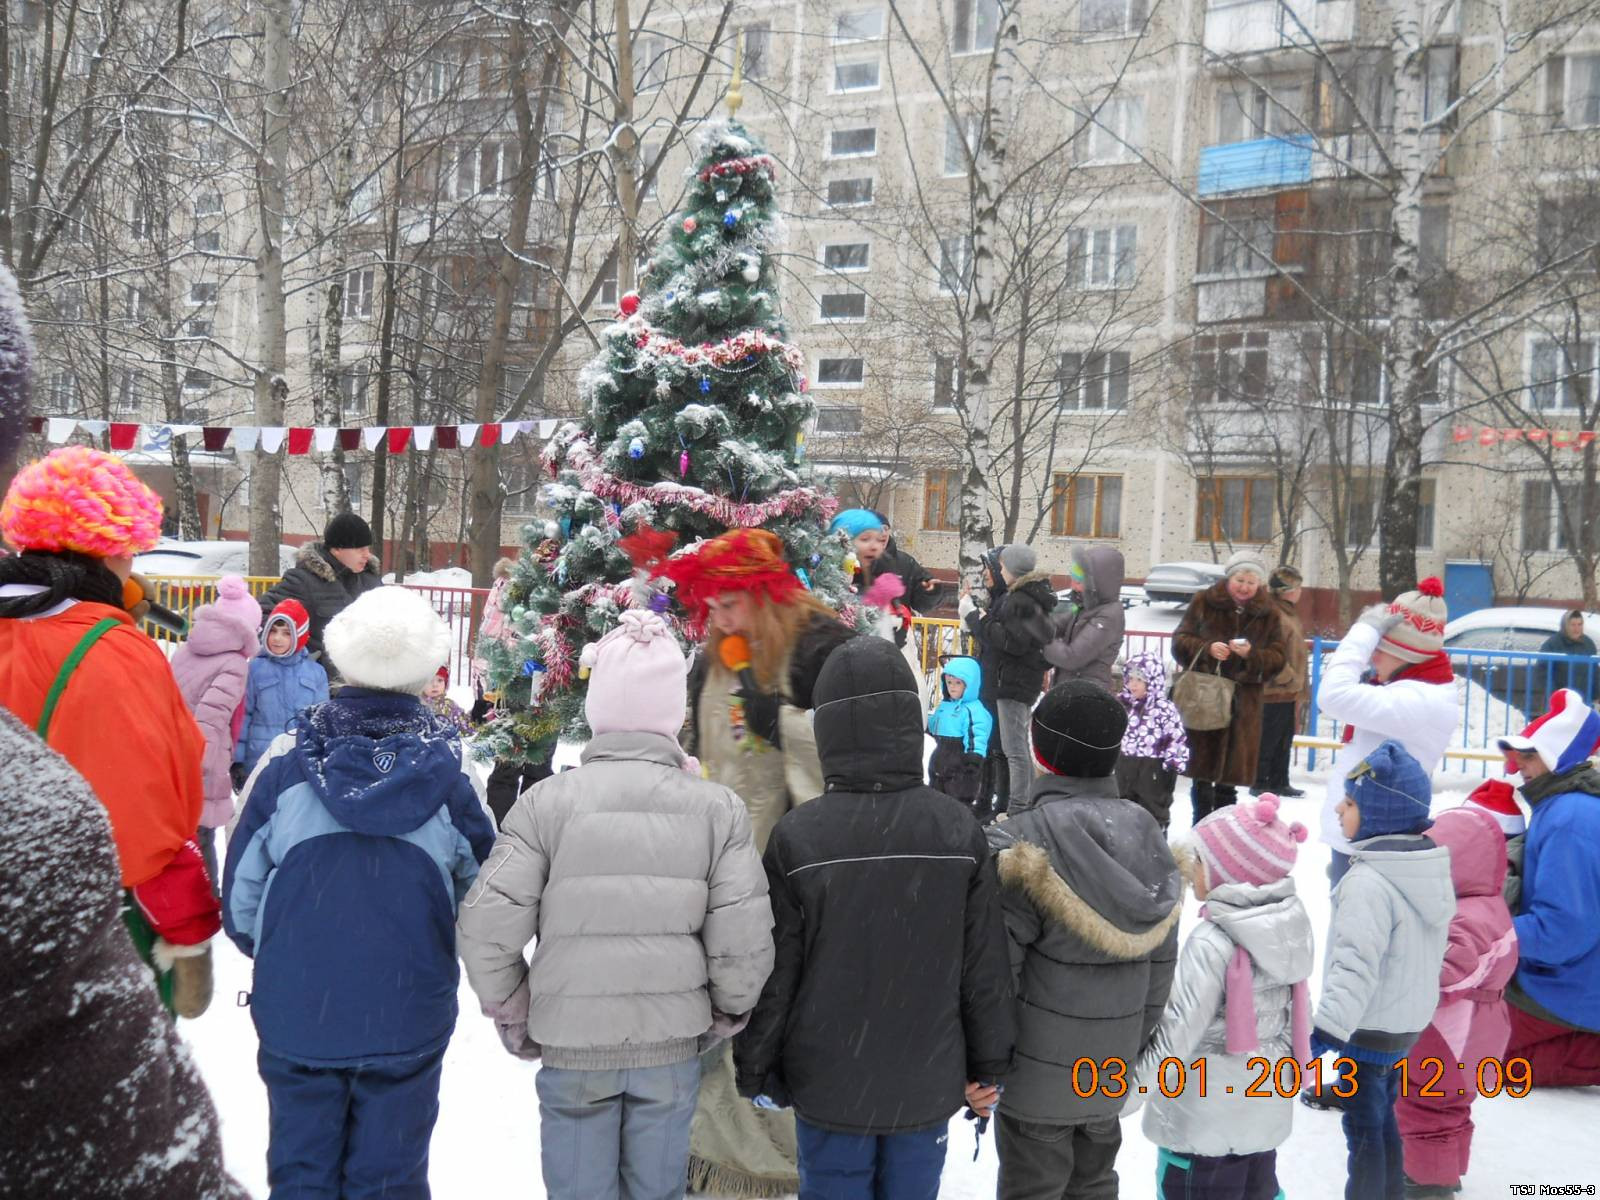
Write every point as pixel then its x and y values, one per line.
pixel 689 225
pixel 629 304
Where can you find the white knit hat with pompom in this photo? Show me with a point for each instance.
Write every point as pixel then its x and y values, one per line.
pixel 389 639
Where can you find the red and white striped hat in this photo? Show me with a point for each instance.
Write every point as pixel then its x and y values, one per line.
pixel 1420 632
pixel 1499 799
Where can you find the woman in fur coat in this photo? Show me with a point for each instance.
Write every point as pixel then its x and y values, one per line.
pixel 1231 628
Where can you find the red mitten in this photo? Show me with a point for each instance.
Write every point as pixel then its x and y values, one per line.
pixel 178 902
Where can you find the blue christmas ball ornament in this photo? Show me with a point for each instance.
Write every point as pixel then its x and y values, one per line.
pixel 660 602
pixel 730 218
pixel 705 385
pixel 816 559
pixel 636 448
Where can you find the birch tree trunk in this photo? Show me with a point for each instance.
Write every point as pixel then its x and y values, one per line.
pixel 1405 348
pixel 271 386
pixel 977 524
pixel 325 329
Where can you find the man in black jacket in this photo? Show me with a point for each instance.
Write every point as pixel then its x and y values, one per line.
pixel 1011 634
pixel 889 1005
pixel 327 575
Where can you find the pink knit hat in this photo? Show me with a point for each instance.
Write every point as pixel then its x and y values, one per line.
pixel 234 599
pixel 638 679
pixel 82 500
pixel 1246 843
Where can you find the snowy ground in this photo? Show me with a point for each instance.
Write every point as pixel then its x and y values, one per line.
pixel 487 1140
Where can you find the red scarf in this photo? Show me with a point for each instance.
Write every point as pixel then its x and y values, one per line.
pixel 1436 669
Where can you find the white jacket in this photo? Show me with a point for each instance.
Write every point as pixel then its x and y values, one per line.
pixel 1422 717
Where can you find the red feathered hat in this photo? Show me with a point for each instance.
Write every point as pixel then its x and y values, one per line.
pixel 741 560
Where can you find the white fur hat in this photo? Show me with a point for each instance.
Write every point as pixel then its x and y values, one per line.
pixel 389 639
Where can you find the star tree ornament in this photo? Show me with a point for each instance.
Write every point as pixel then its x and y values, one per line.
pixel 694 408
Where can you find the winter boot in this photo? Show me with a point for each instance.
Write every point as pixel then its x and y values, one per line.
pixel 1429 1191
pixel 191 978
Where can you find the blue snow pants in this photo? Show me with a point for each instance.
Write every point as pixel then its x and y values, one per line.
pixel 848 1166
pixel 1377 1166
pixel 349 1133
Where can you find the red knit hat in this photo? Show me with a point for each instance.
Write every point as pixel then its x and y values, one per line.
pixel 1497 798
pixel 294 613
pixel 741 560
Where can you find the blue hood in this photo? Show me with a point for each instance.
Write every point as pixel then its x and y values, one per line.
pixel 379 762
pixel 969 672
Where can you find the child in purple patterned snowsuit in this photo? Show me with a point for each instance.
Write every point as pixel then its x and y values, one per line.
pixel 1154 749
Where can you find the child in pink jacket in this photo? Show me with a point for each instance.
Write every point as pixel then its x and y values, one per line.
pixel 1470 1024
pixel 212 668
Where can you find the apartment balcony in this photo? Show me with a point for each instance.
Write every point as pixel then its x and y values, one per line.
pixel 1257 26
pixel 1265 164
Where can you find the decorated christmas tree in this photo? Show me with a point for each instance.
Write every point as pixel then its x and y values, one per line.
pixel 694 422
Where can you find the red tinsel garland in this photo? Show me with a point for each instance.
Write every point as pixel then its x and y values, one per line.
pixel 740 166
pixel 719 354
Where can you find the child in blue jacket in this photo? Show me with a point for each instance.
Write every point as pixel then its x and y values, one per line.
pixel 357 839
pixel 282 682
pixel 960 727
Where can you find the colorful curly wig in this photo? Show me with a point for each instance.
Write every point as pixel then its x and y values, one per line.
pixel 82 500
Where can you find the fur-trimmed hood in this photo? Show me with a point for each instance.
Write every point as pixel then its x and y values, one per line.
pixel 318 559
pixel 1096 865
pixel 1033 577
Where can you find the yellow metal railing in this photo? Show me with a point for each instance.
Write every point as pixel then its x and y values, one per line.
pixel 185 593
pixel 936 637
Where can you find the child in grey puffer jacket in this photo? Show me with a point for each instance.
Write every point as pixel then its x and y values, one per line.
pixel 641 883
pixel 1386 942
pixel 1239 993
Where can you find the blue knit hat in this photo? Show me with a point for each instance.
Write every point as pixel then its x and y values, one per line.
pixel 856 521
pixel 1391 790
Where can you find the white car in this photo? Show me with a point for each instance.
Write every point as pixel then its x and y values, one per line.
pixel 211 558
pixel 1516 629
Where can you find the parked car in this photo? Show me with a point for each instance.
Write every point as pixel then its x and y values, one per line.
pixel 1520 629
pixel 1177 582
pixel 172 557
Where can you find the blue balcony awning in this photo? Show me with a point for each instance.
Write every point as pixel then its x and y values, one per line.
pixel 1264 163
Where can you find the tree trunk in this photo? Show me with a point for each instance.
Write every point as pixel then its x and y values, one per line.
pixel 327 331
pixel 380 456
pixel 1012 505
pixel 1405 351
pixel 271 386
pixel 977 523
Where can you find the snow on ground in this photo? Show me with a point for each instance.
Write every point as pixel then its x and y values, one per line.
pixel 487 1140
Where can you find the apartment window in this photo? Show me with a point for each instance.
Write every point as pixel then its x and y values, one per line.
pixel 136 303
pixel 1112 134
pixel 1567 233
pixel 196 381
pixel 842 306
pixel 1363 501
pixel 1542 524
pixel 839 418
pixel 855 76
pixel 208 243
pixel 481 169
pixel 355 483
pixel 840 372
pixel 961 142
pixel 1233 508
pixel 941 500
pixel 202 293
pixel 608 288
pixel 858 25
pixel 1562 374
pixel 197 327
pixel 845 192
pixel 946 382
pixel 757 51
pixel 437 79
pixel 955 263
pixel 130 398
pixel 1367 381
pixel 63 390
pixel 853 143
pixel 1110 16
pixel 208 204
pixel 1572 86
pixel 649 61
pixel 648 152
pixel 1439 79
pixel 1230 368
pixel 1246 112
pixel 847 256
pixel 974 26
pixel 141 223
pixel 1093 382
pixel 358 286
pixel 353 387
pixel 1102 258
pixel 1086 506
pixel 1242 245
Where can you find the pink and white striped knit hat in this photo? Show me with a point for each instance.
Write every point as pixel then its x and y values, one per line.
pixel 1246 843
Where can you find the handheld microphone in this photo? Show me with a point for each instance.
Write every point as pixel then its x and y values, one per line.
pixel 734 651
pixel 138 597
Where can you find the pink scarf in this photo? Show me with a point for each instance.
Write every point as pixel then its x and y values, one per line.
pixel 1243 1036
